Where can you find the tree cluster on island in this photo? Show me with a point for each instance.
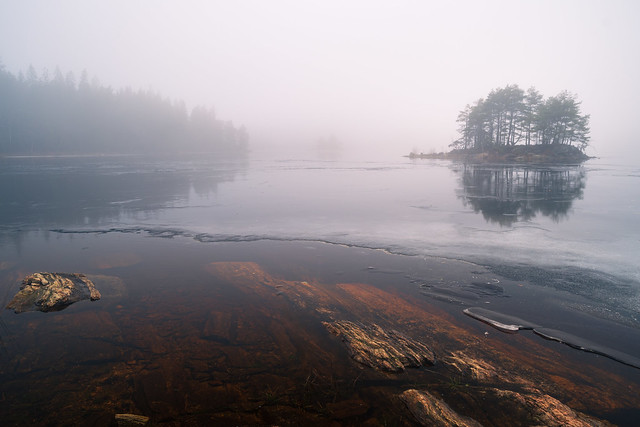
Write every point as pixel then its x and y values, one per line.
pixel 55 114
pixel 511 121
pixel 510 116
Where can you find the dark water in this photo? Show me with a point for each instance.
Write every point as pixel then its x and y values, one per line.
pixel 555 246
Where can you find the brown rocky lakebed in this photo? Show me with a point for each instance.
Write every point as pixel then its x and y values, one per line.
pixel 266 333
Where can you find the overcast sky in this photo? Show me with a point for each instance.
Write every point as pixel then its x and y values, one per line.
pixel 386 74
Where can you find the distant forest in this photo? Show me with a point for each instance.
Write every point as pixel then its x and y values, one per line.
pixel 510 116
pixel 57 114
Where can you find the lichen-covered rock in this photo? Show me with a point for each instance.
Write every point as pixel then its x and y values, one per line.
pixel 431 411
pixel 384 350
pixel 52 292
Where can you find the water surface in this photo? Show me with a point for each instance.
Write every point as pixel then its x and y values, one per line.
pixel 555 246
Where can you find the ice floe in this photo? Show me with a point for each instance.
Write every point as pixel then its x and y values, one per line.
pixel 500 321
pixel 510 324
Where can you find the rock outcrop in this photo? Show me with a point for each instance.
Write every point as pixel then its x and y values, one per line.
pixel 530 406
pixel 431 411
pixel 52 292
pixel 383 350
pixel 546 410
pixel 131 420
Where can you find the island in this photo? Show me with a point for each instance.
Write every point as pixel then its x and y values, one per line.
pixel 532 154
pixel 514 126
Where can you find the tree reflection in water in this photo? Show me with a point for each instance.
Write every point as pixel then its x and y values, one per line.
pixel 91 191
pixel 508 194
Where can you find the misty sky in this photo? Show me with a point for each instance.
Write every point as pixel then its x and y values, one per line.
pixel 386 74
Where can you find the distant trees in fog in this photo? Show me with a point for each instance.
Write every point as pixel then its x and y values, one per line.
pixel 55 114
pixel 510 116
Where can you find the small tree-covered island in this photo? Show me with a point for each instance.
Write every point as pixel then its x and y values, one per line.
pixel 514 126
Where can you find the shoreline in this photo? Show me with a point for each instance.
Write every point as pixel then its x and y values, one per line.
pixel 533 154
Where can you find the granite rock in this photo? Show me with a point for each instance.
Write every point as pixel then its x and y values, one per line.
pixel 428 410
pixel 131 420
pixel 52 292
pixel 385 350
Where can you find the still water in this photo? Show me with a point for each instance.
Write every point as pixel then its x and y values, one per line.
pixel 175 339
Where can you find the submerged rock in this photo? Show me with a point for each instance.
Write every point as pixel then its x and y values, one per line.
pixel 526 407
pixel 130 420
pixel 431 411
pixel 479 369
pixel 52 292
pixel 383 350
pixel 543 409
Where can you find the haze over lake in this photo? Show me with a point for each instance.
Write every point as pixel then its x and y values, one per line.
pixel 255 203
pixel 381 76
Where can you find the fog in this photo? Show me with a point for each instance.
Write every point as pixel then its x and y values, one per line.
pixel 381 76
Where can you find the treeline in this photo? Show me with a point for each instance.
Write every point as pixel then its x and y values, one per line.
pixel 510 116
pixel 57 114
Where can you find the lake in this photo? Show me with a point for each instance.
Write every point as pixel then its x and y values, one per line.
pixel 218 278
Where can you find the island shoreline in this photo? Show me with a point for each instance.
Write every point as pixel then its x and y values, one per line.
pixel 538 154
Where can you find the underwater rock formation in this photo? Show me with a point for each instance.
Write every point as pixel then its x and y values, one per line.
pixel 530 406
pixel 383 350
pixel 431 411
pixel 492 382
pixel 131 420
pixel 544 409
pixel 52 292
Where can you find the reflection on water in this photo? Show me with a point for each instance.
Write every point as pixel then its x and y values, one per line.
pixel 91 191
pixel 508 194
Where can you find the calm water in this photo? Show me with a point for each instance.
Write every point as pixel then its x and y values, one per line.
pixel 582 216
pixel 145 227
pixel 570 217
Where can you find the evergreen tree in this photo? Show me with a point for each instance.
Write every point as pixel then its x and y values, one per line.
pixel 509 116
pixel 59 115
